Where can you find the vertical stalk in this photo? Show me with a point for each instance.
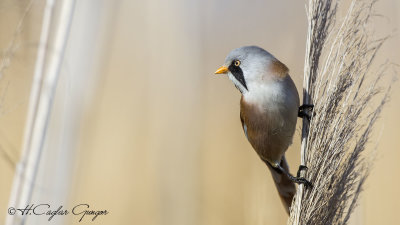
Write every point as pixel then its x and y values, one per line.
pixel 41 100
pixel 306 123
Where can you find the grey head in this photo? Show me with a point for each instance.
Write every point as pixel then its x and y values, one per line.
pixel 246 66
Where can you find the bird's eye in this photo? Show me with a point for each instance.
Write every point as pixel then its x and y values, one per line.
pixel 237 63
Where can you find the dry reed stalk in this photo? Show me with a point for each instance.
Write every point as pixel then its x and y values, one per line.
pixel 40 104
pixel 339 80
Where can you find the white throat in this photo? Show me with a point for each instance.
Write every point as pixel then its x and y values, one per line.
pixel 265 95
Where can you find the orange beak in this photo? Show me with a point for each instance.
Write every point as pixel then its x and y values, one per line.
pixel 222 70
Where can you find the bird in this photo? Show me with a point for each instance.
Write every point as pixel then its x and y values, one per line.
pixel 269 107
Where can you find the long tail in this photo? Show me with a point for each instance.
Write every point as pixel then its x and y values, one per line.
pixel 284 185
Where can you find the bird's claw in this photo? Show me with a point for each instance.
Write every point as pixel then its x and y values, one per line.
pixel 303 111
pixel 306 106
pixel 302 180
pixel 301 168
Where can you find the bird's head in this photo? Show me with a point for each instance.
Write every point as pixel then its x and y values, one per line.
pixel 250 66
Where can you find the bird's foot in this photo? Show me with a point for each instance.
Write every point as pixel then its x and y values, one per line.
pixel 298 179
pixel 303 111
pixel 306 106
pixel 301 168
pixel 302 180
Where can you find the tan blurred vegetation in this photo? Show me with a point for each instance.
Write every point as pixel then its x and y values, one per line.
pixel 160 141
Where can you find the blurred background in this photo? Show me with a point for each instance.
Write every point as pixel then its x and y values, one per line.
pixel 142 128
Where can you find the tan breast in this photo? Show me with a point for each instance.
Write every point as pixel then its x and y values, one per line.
pixel 265 132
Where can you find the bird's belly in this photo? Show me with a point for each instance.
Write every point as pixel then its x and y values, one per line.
pixel 270 132
pixel 269 143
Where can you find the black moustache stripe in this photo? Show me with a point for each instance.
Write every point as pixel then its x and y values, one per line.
pixel 238 74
